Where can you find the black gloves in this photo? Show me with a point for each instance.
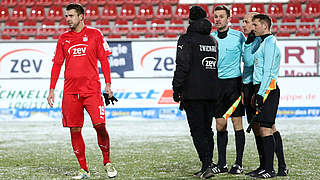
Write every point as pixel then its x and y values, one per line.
pixel 176 96
pixel 250 38
pixel 259 102
pixel 109 100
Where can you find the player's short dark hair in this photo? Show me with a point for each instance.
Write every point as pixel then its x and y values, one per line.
pixel 263 18
pixel 78 7
pixel 224 7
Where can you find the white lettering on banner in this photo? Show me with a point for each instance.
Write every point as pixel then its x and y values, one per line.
pixel 116 62
pixel 118 50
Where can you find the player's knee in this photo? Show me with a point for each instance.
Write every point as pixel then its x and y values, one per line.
pixel 75 129
pixel 100 128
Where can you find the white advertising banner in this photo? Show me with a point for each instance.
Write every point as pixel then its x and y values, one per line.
pixel 141 59
pixel 151 98
pixel 25 60
pixel 153 59
pixel 298 58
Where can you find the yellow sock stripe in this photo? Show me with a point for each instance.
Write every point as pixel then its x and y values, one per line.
pixel 232 108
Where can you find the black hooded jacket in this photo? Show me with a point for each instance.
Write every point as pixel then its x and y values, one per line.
pixel 196 73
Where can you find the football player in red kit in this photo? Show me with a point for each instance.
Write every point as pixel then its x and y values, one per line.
pixel 79 48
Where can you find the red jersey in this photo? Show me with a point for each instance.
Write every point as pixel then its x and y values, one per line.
pixel 81 52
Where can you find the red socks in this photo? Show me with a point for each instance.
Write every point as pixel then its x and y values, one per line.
pixel 103 141
pixel 79 149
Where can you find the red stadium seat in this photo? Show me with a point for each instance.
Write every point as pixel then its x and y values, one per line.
pixel 153 2
pixel 64 27
pixel 128 11
pixel 274 27
pixel 27 3
pixel 283 34
pixel 306 29
pixel 82 2
pixel 98 2
pixel 135 2
pixel 297 1
pixel 132 36
pixel 103 22
pixel 109 12
pixel 150 35
pixel 5 37
pixel 288 28
pixel 275 10
pixel 29 28
pixel 312 10
pixel 4 14
pixel 235 24
pixel 11 28
pixel 8 3
pixel 169 35
pixel 87 22
pixel 205 7
pixel 22 37
pixel 115 2
pixel 61 2
pixel 145 11
pixel 92 12
pixel 55 12
pixel 293 10
pixel 44 2
pixel 182 11
pixel 19 13
pixel 46 30
pixel 176 26
pixel 313 1
pixel 238 10
pixel 114 36
pixel 256 7
pixel 157 26
pixel 139 26
pixel 170 1
pixel 40 37
pixel 164 11
pixel 121 30
pixel 37 13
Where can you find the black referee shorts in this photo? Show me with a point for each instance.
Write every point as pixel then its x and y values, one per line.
pixel 230 90
pixel 270 107
pixel 248 90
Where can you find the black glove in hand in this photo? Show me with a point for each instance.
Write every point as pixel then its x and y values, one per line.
pixel 109 100
pixel 250 38
pixel 259 102
pixel 176 96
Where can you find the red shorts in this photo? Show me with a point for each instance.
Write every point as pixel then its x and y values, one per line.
pixel 74 104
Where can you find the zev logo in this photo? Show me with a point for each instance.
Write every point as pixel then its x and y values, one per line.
pixel 78 50
pixel 209 63
pixel 22 61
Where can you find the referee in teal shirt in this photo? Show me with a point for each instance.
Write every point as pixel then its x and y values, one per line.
pixel 230 45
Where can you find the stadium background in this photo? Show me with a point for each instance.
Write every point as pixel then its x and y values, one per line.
pixel 142 35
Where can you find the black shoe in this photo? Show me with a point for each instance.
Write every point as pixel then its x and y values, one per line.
pixel 207 174
pixel 216 169
pixel 263 174
pixel 236 169
pixel 283 171
pixel 198 174
pixel 251 173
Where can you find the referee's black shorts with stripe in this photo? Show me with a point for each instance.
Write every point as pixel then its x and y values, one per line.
pixel 270 107
pixel 230 90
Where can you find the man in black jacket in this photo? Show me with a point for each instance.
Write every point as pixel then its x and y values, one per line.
pixel 194 84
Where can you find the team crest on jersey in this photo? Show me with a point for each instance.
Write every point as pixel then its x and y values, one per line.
pixel 85 39
pixel 209 63
pixel 78 50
